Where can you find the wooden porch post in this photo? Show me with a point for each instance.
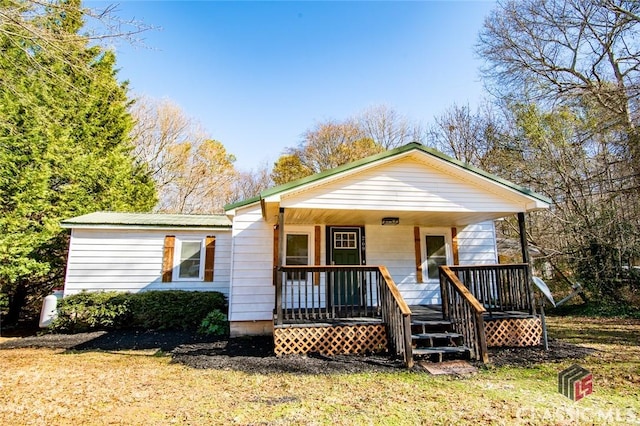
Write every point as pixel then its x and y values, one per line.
pixel 418 253
pixel 522 226
pixel 281 255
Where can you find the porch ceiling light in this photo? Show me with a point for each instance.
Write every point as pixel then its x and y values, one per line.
pixel 390 221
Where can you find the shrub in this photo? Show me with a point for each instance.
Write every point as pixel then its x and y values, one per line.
pixel 157 310
pixel 174 309
pixel 93 311
pixel 215 324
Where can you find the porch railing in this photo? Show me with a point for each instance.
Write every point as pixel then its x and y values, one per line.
pixel 465 313
pixel 310 293
pixel 498 288
pixel 397 317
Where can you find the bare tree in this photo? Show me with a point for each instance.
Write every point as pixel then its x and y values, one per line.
pixel 566 50
pixel 26 25
pixel 388 128
pixel 193 173
pixel 204 178
pixel 570 72
pixel 592 230
pixel 250 183
pixel 466 136
pixel 160 126
pixel 332 144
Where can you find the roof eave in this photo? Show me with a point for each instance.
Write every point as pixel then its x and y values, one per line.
pixel 232 207
pixel 138 226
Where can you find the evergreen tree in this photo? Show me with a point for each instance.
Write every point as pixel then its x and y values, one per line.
pixel 64 149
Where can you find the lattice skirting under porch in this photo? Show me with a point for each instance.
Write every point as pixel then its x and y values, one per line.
pixel 513 331
pixel 330 340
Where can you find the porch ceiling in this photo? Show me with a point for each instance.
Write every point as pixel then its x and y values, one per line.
pixel 295 216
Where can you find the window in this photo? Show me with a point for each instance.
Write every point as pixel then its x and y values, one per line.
pixel 436 254
pixel 345 240
pixel 188 259
pixel 297 249
pixel 189 263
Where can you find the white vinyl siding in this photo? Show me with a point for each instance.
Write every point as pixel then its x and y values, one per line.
pixel 477 244
pixel 252 291
pixel 131 260
pixel 405 185
pixel 393 247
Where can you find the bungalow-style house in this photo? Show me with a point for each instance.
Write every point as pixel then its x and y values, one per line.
pixel 367 256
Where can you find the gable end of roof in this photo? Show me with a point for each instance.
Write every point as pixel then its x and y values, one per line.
pixel 387 155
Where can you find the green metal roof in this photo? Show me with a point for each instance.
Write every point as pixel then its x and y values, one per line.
pixel 382 156
pixel 149 220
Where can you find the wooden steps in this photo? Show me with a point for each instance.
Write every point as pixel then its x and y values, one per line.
pixel 440 352
pixel 433 338
pixel 431 323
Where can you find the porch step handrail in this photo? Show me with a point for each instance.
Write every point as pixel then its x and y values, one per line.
pixel 464 312
pixel 397 317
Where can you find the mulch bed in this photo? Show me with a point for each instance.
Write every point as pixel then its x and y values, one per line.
pixel 255 354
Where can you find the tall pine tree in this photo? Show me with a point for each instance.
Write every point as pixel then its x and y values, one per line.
pixel 64 147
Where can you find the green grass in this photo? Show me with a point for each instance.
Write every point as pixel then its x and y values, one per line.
pixel 40 386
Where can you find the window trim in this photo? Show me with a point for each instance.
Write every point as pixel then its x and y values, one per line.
pixel 439 257
pixel 434 232
pixel 310 246
pixel 208 253
pixel 177 255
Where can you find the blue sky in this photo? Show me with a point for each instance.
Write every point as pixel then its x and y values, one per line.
pixel 257 75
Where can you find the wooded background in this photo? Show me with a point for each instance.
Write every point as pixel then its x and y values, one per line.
pixel 560 117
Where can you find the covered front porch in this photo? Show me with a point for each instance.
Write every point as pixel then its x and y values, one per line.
pixel 412 281
pixel 482 306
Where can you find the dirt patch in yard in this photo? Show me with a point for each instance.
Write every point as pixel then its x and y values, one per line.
pixel 528 356
pixel 255 354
